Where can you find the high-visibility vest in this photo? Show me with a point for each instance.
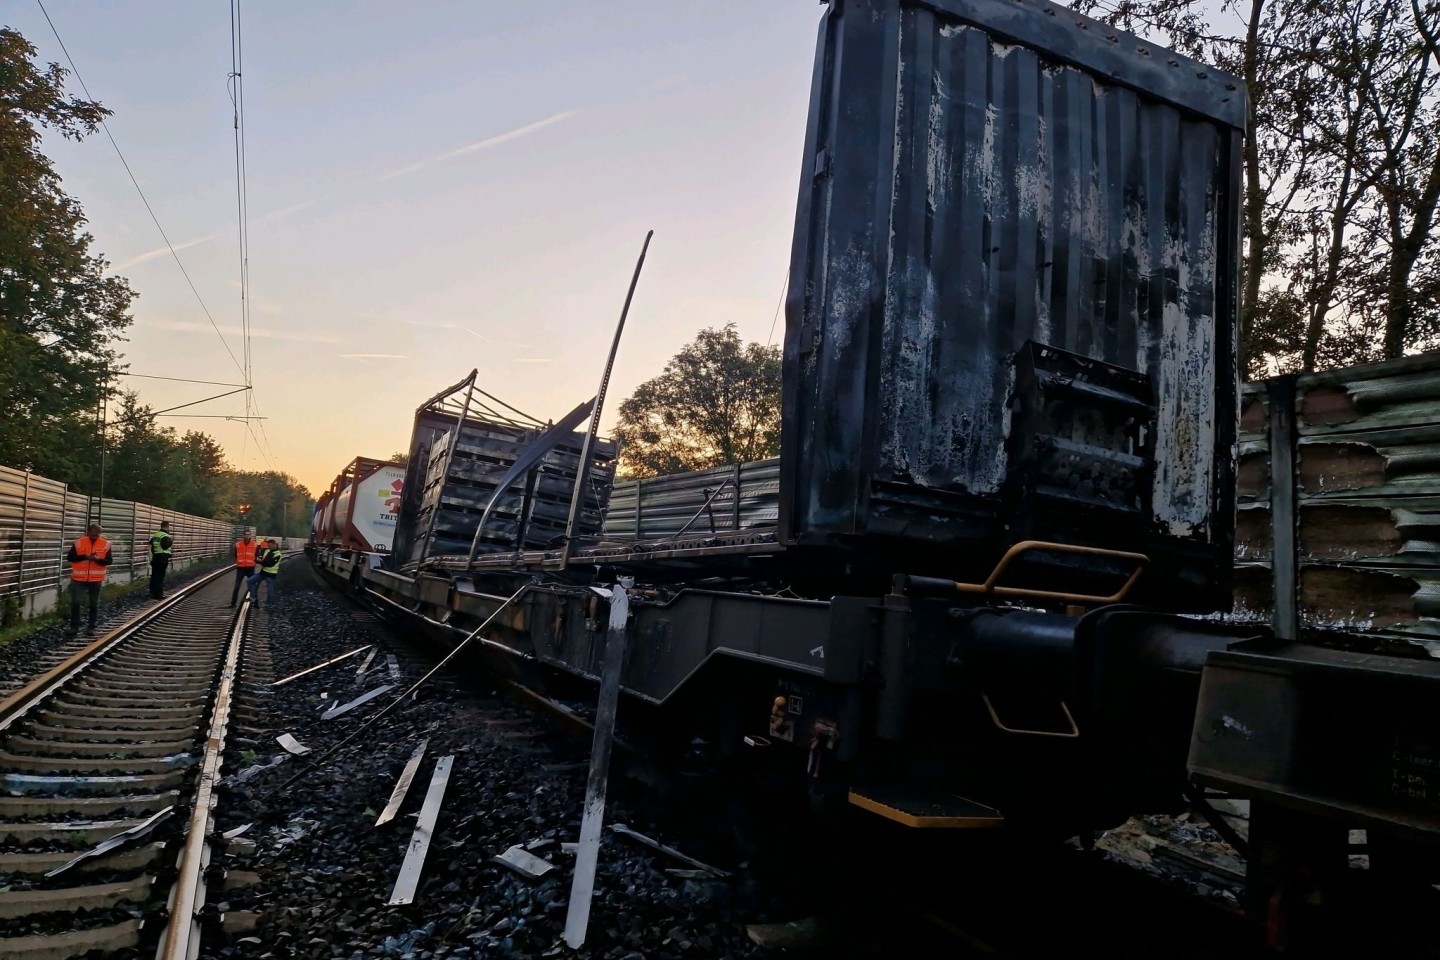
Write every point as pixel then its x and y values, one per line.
pixel 157 544
pixel 245 553
pixel 86 571
pixel 270 561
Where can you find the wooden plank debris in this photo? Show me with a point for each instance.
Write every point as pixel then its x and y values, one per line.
pixel 321 666
pixel 364 698
pixel 402 786
pixel 409 878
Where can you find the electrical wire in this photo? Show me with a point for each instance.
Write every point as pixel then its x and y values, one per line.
pixel 143 199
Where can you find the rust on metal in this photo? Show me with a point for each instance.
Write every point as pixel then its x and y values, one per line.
pixel 1347 532
pixel 1330 467
pixel 1362 599
pixel 1327 406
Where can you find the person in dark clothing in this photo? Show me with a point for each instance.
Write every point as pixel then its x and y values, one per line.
pixel 268 571
pixel 88 557
pixel 245 549
pixel 161 548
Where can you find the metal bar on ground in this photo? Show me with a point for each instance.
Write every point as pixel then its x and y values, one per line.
pixel 181 938
pixel 414 686
pixel 369 659
pixel 409 878
pixel 659 847
pixel 118 840
pixel 587 855
pixel 402 786
pixel 340 710
pixel 321 666
pixel 392 664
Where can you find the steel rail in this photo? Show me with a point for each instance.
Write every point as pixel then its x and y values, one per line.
pixel 181 937
pixel 19 703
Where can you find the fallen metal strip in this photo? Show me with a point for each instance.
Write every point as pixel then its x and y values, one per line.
pixel 321 666
pixel 402 786
pixel 409 878
pixel 393 665
pixel 292 745
pixel 118 840
pixel 659 847
pixel 364 698
pixel 587 856
pixel 369 659
pixel 181 938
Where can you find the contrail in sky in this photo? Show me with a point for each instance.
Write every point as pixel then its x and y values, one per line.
pixel 485 144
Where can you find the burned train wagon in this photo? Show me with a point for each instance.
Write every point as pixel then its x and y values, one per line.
pixel 1013 294
pixel 1007 470
pixel 470 489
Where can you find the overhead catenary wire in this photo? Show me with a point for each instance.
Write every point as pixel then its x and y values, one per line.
pixel 143 199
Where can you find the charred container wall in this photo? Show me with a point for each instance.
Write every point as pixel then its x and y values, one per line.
pixel 446 493
pixel 1013 295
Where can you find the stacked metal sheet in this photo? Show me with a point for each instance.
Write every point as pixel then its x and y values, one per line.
pixel 456 481
pixel 741 496
pixel 1363 498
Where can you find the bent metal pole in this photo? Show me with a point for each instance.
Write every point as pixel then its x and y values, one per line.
pixel 582 469
pixel 587 853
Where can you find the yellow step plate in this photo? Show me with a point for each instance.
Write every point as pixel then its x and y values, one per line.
pixel 926 810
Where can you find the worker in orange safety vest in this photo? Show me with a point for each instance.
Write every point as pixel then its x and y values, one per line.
pixel 88 557
pixel 244 563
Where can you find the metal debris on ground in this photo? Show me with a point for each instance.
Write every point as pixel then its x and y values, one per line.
pixel 409 878
pixel 292 745
pixel 523 862
pixel 392 664
pixel 118 840
pixel 797 934
pixel 237 831
pixel 656 845
pixel 341 709
pixel 402 786
pixel 365 667
pixel 321 666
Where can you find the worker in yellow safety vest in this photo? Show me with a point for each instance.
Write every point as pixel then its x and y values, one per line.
pixel 245 549
pixel 161 548
pixel 88 558
pixel 268 571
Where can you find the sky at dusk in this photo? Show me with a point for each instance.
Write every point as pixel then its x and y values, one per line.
pixel 433 186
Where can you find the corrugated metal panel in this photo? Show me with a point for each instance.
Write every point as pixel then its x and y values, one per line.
pixel 1368 493
pixel 980 174
pixel 39 519
pixel 661 507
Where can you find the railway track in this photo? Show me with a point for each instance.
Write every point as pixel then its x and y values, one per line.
pixel 118 746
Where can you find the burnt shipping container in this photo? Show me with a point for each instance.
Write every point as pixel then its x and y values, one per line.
pixel 449 484
pixel 1013 295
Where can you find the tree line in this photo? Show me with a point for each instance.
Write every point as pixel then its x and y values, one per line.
pixel 1341 167
pixel 61 321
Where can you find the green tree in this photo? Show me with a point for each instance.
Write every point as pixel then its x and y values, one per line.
pixel 1342 168
pixel 60 316
pixel 717 402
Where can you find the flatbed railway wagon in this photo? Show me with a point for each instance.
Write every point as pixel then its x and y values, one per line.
pixel 984 585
